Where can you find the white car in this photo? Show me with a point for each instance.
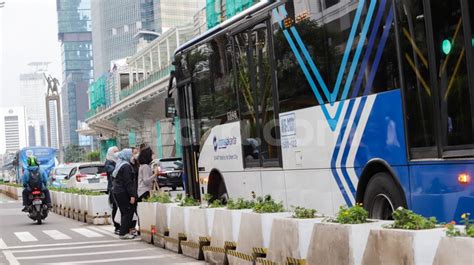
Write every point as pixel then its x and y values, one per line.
pixel 91 176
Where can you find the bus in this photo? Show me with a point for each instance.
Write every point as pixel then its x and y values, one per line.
pixel 329 103
pixel 46 157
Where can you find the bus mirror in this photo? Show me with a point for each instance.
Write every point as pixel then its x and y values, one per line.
pixel 170 107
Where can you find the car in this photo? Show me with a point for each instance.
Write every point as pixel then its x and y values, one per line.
pixel 58 176
pixel 91 176
pixel 170 172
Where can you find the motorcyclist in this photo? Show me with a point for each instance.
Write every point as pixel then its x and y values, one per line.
pixel 33 172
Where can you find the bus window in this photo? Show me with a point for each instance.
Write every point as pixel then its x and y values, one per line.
pixel 418 89
pixel 452 74
pixel 255 90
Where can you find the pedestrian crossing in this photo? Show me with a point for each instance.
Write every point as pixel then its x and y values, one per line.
pixel 58 235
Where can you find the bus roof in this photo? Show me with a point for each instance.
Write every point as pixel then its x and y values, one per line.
pixel 260 5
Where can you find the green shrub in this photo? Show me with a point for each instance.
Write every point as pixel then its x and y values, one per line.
pixel 179 197
pixel 162 197
pixel 303 213
pixel 452 230
pixel 216 204
pixel 406 219
pixel 189 201
pixel 239 204
pixel 268 205
pixel 352 215
pixel 11 184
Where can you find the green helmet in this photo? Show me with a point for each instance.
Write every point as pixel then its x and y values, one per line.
pixel 32 161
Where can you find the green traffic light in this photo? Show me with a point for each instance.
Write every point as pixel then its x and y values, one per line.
pixel 447 46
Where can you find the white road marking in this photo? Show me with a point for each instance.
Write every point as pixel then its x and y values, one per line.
pixel 3 245
pixel 114 260
pixel 103 231
pixel 86 232
pixel 11 259
pixel 82 254
pixel 74 248
pixel 69 244
pixel 25 237
pixel 56 235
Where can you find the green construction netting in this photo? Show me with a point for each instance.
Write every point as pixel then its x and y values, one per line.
pixel 97 96
pixel 232 7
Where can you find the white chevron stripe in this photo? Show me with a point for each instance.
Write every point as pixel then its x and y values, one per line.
pixel 369 104
pixel 56 235
pixel 25 236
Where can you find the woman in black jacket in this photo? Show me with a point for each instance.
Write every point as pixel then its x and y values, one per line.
pixel 109 169
pixel 125 191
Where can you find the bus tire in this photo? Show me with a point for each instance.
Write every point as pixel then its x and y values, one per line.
pixel 382 196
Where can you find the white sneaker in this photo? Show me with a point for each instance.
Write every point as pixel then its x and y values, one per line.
pixel 127 236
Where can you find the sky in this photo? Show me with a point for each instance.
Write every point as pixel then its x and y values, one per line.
pixel 28 33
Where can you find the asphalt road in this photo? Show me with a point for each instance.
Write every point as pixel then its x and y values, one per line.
pixel 60 240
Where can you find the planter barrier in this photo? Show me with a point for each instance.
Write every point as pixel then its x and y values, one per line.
pixel 75 206
pixel 83 208
pixel 224 235
pixel 339 244
pixel 290 240
pixel 147 216
pixel 178 228
pixel 198 236
pixel 163 220
pixel 98 210
pixel 454 250
pixel 389 246
pixel 254 237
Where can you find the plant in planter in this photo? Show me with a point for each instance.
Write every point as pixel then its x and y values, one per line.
pixel 290 237
pixel 459 240
pixel 411 237
pixel 180 225
pixel 255 230
pixel 240 204
pixel 345 237
pixel 163 217
pixel 188 202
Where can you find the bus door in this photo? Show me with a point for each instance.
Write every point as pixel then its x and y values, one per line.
pixel 190 140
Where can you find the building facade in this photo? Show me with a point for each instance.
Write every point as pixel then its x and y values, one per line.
pixel 179 13
pixel 13 135
pixel 74 25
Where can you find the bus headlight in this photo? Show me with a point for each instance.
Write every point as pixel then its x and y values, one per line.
pixel 464 178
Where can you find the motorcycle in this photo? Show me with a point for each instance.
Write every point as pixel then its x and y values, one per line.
pixel 38 210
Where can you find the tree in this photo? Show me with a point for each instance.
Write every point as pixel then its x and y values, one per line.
pixel 73 153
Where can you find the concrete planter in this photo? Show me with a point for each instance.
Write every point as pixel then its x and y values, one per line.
pixel 147 216
pixel 75 206
pixel 454 250
pixel 19 193
pixel 224 235
pixel 290 239
pixel 62 202
pixel 98 210
pixel 163 220
pixel 199 233
pixel 178 228
pixel 82 208
pixel 339 244
pixel 69 209
pixel 254 237
pixel 389 246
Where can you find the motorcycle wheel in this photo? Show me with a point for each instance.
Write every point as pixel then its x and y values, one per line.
pixel 39 221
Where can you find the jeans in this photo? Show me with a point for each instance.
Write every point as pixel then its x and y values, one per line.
pixel 126 211
pixel 26 193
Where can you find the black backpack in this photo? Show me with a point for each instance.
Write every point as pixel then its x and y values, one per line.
pixel 35 179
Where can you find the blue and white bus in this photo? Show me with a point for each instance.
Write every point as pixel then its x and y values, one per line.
pixel 46 157
pixel 334 102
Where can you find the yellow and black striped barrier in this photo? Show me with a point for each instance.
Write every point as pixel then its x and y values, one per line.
pixel 293 261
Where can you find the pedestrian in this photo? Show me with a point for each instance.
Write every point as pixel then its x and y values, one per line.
pixel 109 169
pixel 146 176
pixel 125 191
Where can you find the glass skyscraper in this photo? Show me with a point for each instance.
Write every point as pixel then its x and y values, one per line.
pixel 74 24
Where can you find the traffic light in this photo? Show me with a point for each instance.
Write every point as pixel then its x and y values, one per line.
pixel 447 46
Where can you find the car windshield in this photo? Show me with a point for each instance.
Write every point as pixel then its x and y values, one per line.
pixel 92 170
pixel 63 170
pixel 176 164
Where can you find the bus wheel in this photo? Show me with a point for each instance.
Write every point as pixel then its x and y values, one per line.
pixel 382 197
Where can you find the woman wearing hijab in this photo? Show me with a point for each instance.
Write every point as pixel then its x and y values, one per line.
pixel 124 191
pixel 145 173
pixel 109 169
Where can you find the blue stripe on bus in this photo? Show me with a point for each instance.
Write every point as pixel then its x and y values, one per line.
pixel 348 50
pixel 370 46
pixel 336 151
pixel 387 27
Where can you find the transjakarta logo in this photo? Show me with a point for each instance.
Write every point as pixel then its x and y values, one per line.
pixel 223 143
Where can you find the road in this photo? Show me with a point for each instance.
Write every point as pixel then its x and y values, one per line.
pixel 60 240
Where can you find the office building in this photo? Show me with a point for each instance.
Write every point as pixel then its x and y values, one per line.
pixel 74 25
pixel 13 135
